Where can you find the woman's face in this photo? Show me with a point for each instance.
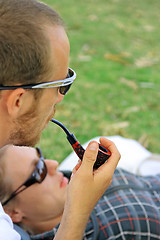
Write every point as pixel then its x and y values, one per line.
pixel 41 201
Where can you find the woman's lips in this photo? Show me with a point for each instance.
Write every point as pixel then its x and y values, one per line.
pixel 64 182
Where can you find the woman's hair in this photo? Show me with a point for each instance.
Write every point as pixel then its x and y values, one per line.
pixel 24 45
pixel 5 185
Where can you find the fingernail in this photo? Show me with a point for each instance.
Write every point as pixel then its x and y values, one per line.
pixel 93 146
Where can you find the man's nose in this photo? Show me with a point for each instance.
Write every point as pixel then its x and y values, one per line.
pixel 60 97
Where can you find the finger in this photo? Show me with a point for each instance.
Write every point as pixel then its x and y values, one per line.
pixel 76 167
pixel 115 155
pixel 110 146
pixel 90 156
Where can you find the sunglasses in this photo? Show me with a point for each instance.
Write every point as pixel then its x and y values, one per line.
pixel 37 176
pixel 64 85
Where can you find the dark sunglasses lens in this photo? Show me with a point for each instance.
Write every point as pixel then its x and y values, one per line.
pixel 63 90
pixel 41 171
pixel 70 72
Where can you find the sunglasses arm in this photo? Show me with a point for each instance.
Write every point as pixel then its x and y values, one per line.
pixel 15 193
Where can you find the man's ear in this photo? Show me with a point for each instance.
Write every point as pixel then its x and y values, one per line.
pixel 14 101
pixel 15 214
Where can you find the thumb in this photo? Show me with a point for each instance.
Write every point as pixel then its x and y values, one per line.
pixel 90 156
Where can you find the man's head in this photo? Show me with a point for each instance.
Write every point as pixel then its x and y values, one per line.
pixel 34 48
pixel 40 205
pixel 25 48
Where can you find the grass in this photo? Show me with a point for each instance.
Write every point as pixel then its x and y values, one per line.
pixel 115 51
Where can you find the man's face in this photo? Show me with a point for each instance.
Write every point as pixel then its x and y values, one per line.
pixel 28 128
pixel 41 202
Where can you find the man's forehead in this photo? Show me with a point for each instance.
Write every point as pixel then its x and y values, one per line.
pixel 58 37
pixel 59 54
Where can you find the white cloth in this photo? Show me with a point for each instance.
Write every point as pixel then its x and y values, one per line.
pixel 132 154
pixel 6 227
pixel 150 166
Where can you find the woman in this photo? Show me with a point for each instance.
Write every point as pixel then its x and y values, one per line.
pixel 129 209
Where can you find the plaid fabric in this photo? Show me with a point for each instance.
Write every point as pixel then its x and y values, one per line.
pixel 129 210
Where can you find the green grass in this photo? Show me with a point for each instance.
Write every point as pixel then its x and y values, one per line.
pixel 115 49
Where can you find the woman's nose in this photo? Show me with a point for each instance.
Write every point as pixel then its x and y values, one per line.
pixel 51 166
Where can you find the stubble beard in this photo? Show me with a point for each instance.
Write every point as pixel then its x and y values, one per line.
pixel 25 133
pixel 27 130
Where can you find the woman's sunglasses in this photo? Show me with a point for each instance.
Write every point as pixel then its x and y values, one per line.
pixel 37 176
pixel 64 85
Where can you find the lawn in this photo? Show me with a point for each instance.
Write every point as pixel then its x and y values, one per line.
pixel 115 51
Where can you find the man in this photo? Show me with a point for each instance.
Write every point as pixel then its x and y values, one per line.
pixel 34 49
pixel 129 209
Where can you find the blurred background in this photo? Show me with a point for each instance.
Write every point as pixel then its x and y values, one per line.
pixel 115 51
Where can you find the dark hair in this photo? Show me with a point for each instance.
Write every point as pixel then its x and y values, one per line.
pixel 24 45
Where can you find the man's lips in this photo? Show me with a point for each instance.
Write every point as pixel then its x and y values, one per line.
pixel 49 118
